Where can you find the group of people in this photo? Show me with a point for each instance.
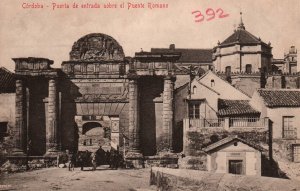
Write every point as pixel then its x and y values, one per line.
pixel 113 158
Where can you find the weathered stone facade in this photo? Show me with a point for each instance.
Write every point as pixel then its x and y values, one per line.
pixel 97 92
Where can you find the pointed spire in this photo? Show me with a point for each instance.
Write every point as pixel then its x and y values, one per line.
pixel 241 25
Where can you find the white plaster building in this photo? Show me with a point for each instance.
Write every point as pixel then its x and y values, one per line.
pixel 234 155
pixel 282 106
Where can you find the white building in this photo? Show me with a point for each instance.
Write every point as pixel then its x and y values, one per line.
pixel 234 155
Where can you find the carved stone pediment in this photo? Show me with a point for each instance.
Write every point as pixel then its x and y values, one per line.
pixel 96 47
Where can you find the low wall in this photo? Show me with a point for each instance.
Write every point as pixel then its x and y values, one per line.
pixel 178 179
pixel 22 163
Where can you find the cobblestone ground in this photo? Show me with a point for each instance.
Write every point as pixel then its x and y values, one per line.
pixel 62 179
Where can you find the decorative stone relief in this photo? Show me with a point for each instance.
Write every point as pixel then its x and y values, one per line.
pixel 96 47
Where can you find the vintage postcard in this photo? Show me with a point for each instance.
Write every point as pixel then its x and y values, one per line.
pixel 149 95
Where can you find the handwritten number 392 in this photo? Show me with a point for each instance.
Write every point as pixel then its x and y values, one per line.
pixel 210 14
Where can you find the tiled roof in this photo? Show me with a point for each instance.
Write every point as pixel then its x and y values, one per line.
pixel 235 107
pixel 7 81
pixel 280 97
pixel 242 36
pixel 189 55
pixel 230 139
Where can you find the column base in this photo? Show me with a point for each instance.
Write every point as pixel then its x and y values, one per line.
pixel 167 153
pixel 18 152
pixel 52 152
pixel 134 159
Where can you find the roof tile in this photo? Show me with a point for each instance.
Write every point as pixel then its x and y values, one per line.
pixel 280 97
pixel 189 55
pixel 235 107
pixel 7 81
pixel 241 36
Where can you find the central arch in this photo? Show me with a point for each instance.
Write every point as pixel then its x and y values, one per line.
pixel 94 135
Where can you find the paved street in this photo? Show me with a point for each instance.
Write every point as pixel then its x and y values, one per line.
pixel 62 179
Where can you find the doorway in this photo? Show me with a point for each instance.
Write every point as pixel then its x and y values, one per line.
pixel 236 166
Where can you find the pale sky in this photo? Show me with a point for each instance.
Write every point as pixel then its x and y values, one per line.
pixel 51 33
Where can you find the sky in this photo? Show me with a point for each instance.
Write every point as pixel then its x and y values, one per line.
pixel 48 33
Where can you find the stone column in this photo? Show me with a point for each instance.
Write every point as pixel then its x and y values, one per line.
pixel 20 128
pixel 134 152
pixel 134 127
pixel 168 113
pixel 51 127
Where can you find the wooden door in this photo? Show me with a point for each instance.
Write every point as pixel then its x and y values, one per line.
pixel 236 166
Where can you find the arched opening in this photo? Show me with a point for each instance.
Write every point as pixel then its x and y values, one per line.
pixel 90 125
pixel 93 136
pixel 194 90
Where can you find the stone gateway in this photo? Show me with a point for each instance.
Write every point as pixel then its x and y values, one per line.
pixel 98 98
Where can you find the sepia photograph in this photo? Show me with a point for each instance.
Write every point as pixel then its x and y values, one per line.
pixel 145 95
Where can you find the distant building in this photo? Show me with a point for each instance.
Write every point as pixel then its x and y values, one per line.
pixel 7 101
pixel 286 65
pixel 290 60
pixel 278 65
pixel 199 58
pixel 242 52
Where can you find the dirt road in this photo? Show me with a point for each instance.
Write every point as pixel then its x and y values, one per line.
pixel 62 179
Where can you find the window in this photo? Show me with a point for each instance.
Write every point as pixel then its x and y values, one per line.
pixel 194 110
pixel 289 131
pixel 194 90
pixel 228 70
pixel 296 153
pixel 248 68
pixel 212 82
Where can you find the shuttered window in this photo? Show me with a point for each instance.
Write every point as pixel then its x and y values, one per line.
pixel 289 130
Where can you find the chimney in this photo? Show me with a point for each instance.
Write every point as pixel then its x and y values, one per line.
pixel 292 49
pixel 172 46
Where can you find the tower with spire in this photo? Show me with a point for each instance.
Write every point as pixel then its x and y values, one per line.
pixel 241 24
pixel 242 53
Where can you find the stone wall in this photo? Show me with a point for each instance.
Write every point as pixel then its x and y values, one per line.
pixel 7 101
pixel 7 117
pixel 246 83
pixel 179 179
pixel 291 81
pixel 180 112
pixel 284 148
pixel 196 140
